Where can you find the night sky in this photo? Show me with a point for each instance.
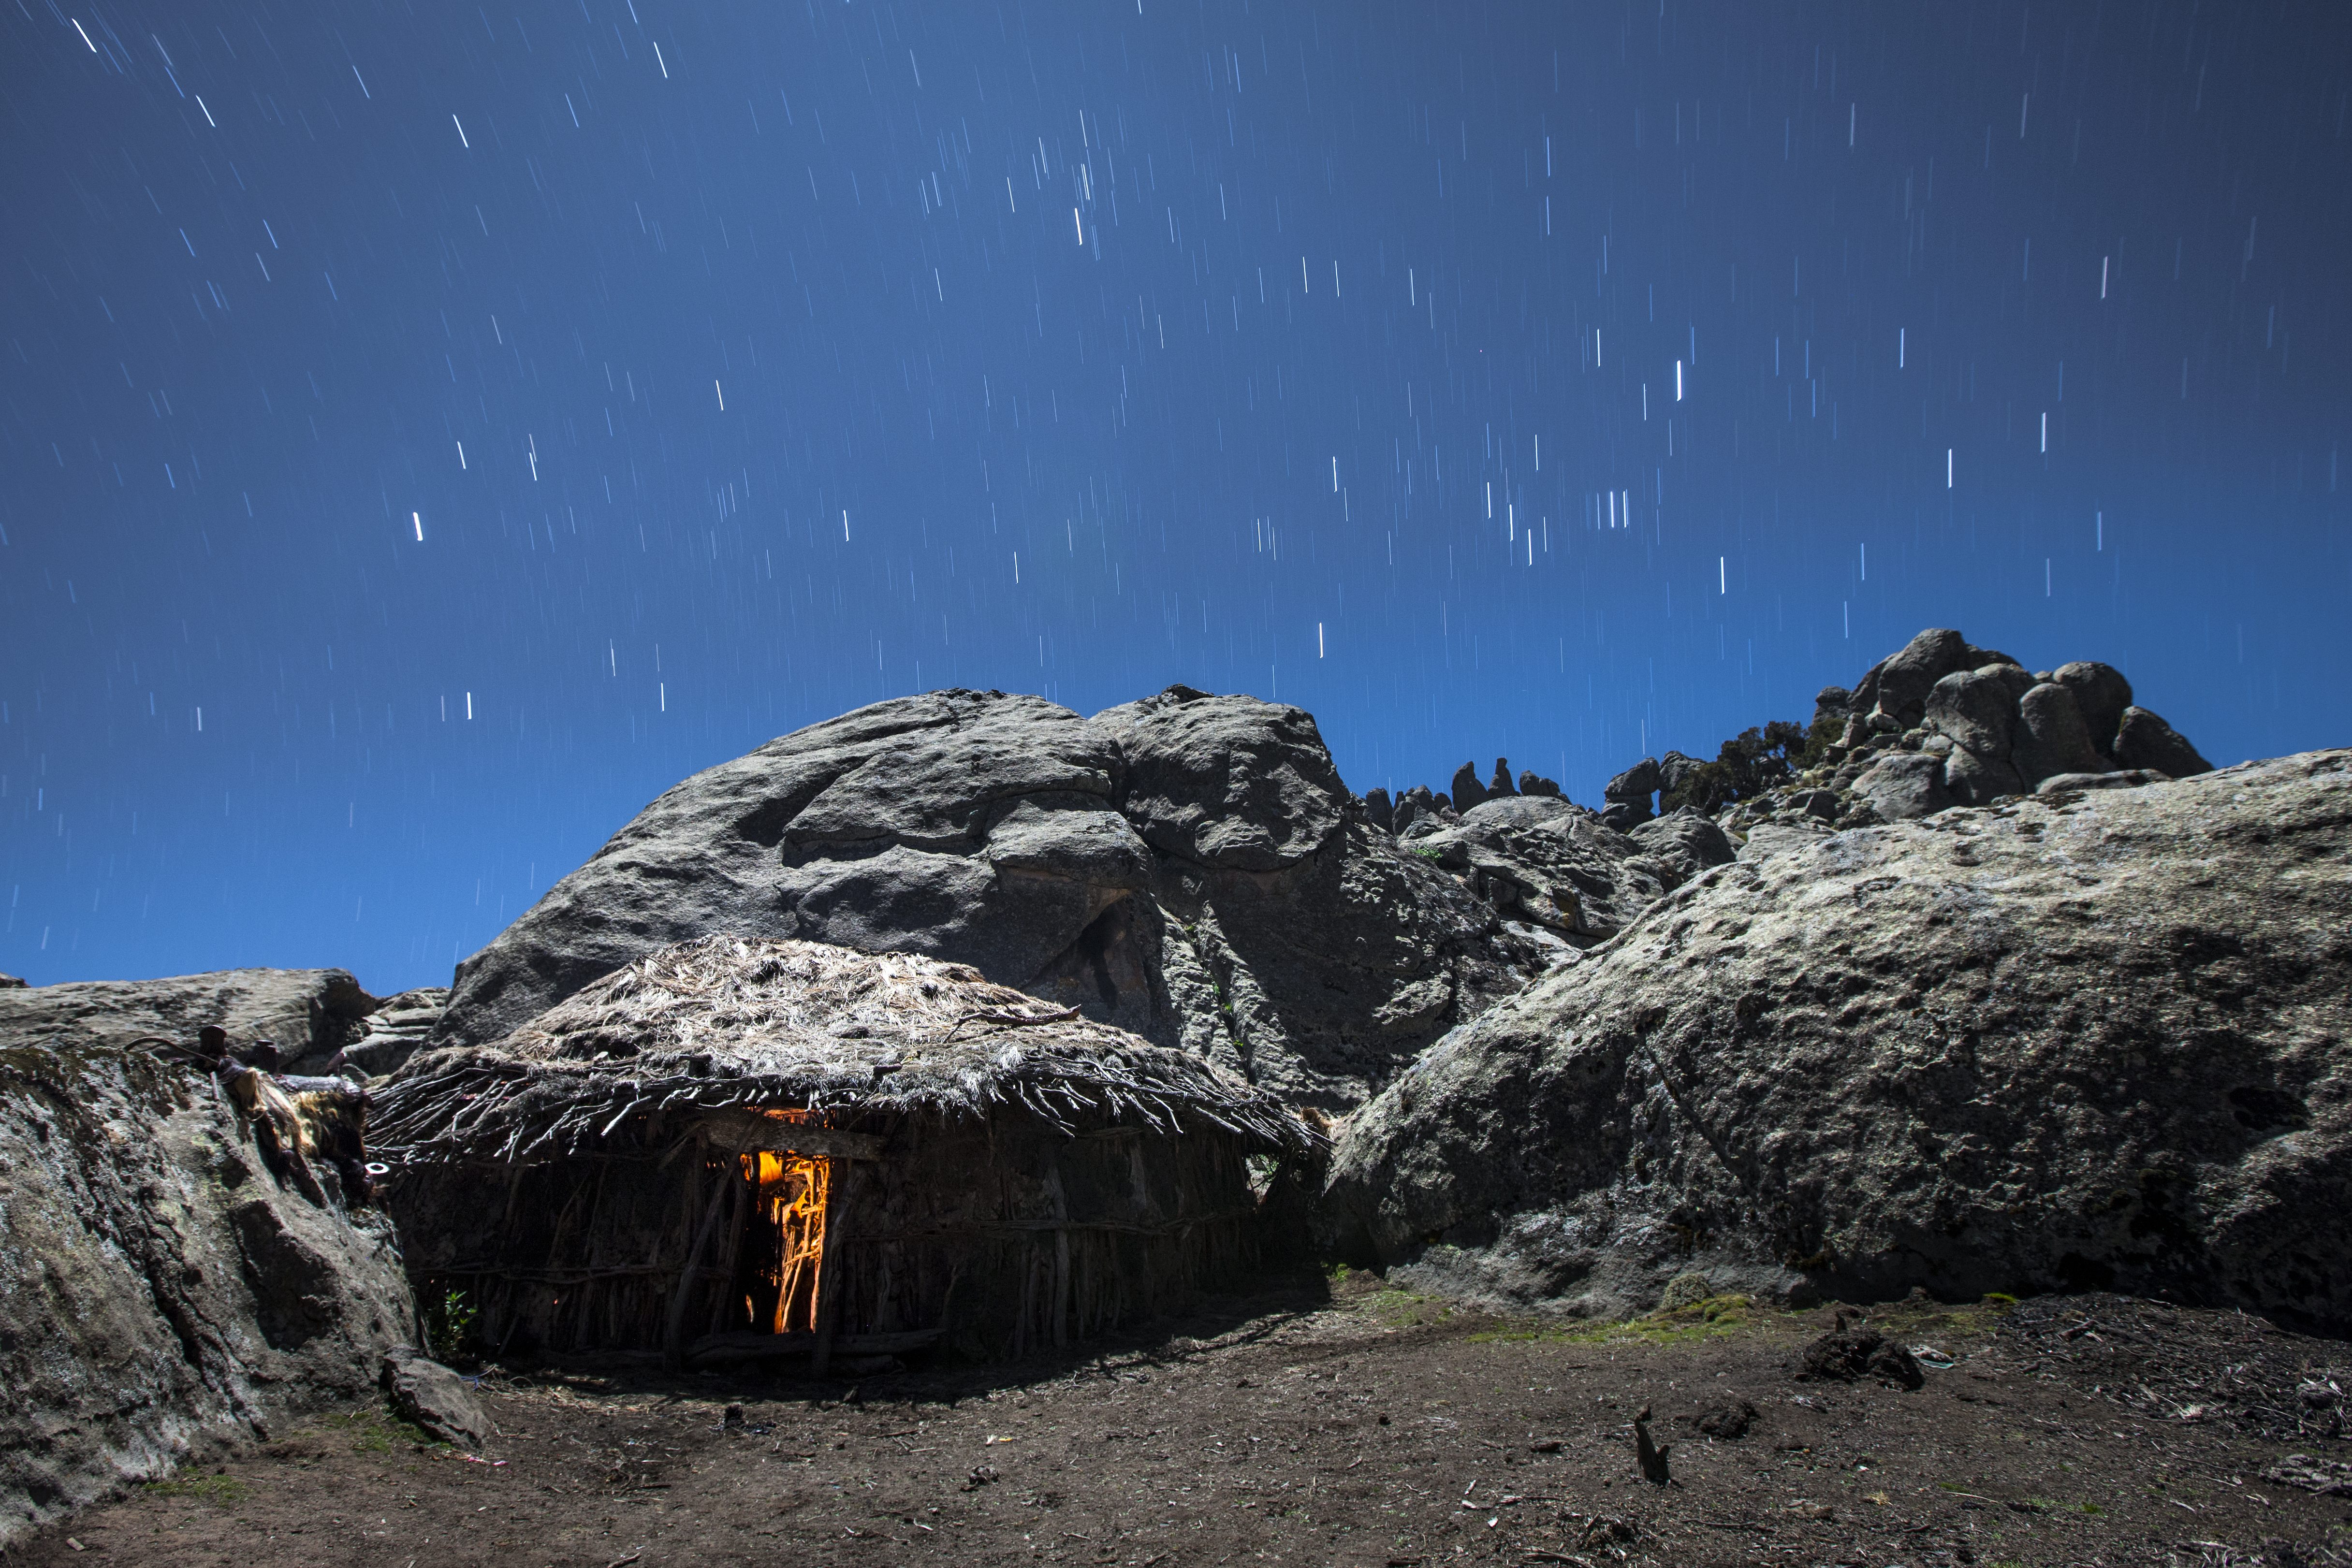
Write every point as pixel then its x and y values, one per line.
pixel 432 431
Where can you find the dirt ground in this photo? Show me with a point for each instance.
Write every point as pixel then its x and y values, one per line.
pixel 1343 1422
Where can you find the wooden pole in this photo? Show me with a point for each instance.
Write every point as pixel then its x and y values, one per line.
pixel 832 1268
pixel 1061 1306
pixel 736 1225
pixel 673 1333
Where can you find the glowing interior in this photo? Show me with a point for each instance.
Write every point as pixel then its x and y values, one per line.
pixel 790 1194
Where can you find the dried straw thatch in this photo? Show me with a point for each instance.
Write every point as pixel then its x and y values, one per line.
pixel 727 1022
pixel 1008 1175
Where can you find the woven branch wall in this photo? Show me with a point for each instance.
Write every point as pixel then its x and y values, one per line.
pixel 1002 1234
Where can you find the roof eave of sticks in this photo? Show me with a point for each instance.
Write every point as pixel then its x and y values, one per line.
pixel 638 1058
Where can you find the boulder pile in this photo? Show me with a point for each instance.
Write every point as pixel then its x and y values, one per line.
pixel 1783 1021
pixel 1940 723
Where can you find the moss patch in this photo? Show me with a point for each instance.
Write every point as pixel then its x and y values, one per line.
pixel 222 1491
pixel 1404 1309
pixel 1711 1318
pixel 374 1430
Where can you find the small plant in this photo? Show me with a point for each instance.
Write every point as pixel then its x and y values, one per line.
pixel 448 1321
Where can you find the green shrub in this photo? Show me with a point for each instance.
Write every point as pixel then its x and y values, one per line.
pixel 449 1320
pixel 1749 764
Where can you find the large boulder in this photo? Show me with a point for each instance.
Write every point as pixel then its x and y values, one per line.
pixel 1468 793
pixel 2092 1040
pixel 2144 740
pixel 1189 867
pixel 2100 694
pixel 166 1298
pixel 1673 768
pixel 1687 841
pixel 398 1029
pixel 1625 800
pixel 1898 686
pixel 1974 780
pixel 1637 783
pixel 1226 783
pixel 1978 709
pixel 1296 942
pixel 1904 784
pixel 876 824
pixel 2052 736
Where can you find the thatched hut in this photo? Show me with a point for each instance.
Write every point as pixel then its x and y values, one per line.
pixel 737 1148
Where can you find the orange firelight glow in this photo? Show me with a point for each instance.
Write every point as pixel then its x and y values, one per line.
pixel 791 1195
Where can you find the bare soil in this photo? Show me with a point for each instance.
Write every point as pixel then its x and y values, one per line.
pixel 1343 1422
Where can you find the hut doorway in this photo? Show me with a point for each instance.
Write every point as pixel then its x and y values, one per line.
pixel 782 1252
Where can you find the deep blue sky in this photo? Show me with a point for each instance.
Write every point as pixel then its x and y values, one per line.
pixel 806 354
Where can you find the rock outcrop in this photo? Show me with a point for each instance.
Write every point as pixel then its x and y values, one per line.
pixel 308 1014
pixel 2086 1038
pixel 1189 867
pixel 164 1297
pixel 1944 723
pixel 1938 724
pixel 400 1027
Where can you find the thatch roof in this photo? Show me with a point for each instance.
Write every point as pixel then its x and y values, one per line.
pixel 707 1032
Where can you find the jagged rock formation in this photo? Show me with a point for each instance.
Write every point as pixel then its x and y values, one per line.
pixel 164 1297
pixel 2040 1046
pixel 1189 867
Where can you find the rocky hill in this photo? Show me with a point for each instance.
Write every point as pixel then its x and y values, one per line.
pixel 2092 1037
pixel 1189 867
